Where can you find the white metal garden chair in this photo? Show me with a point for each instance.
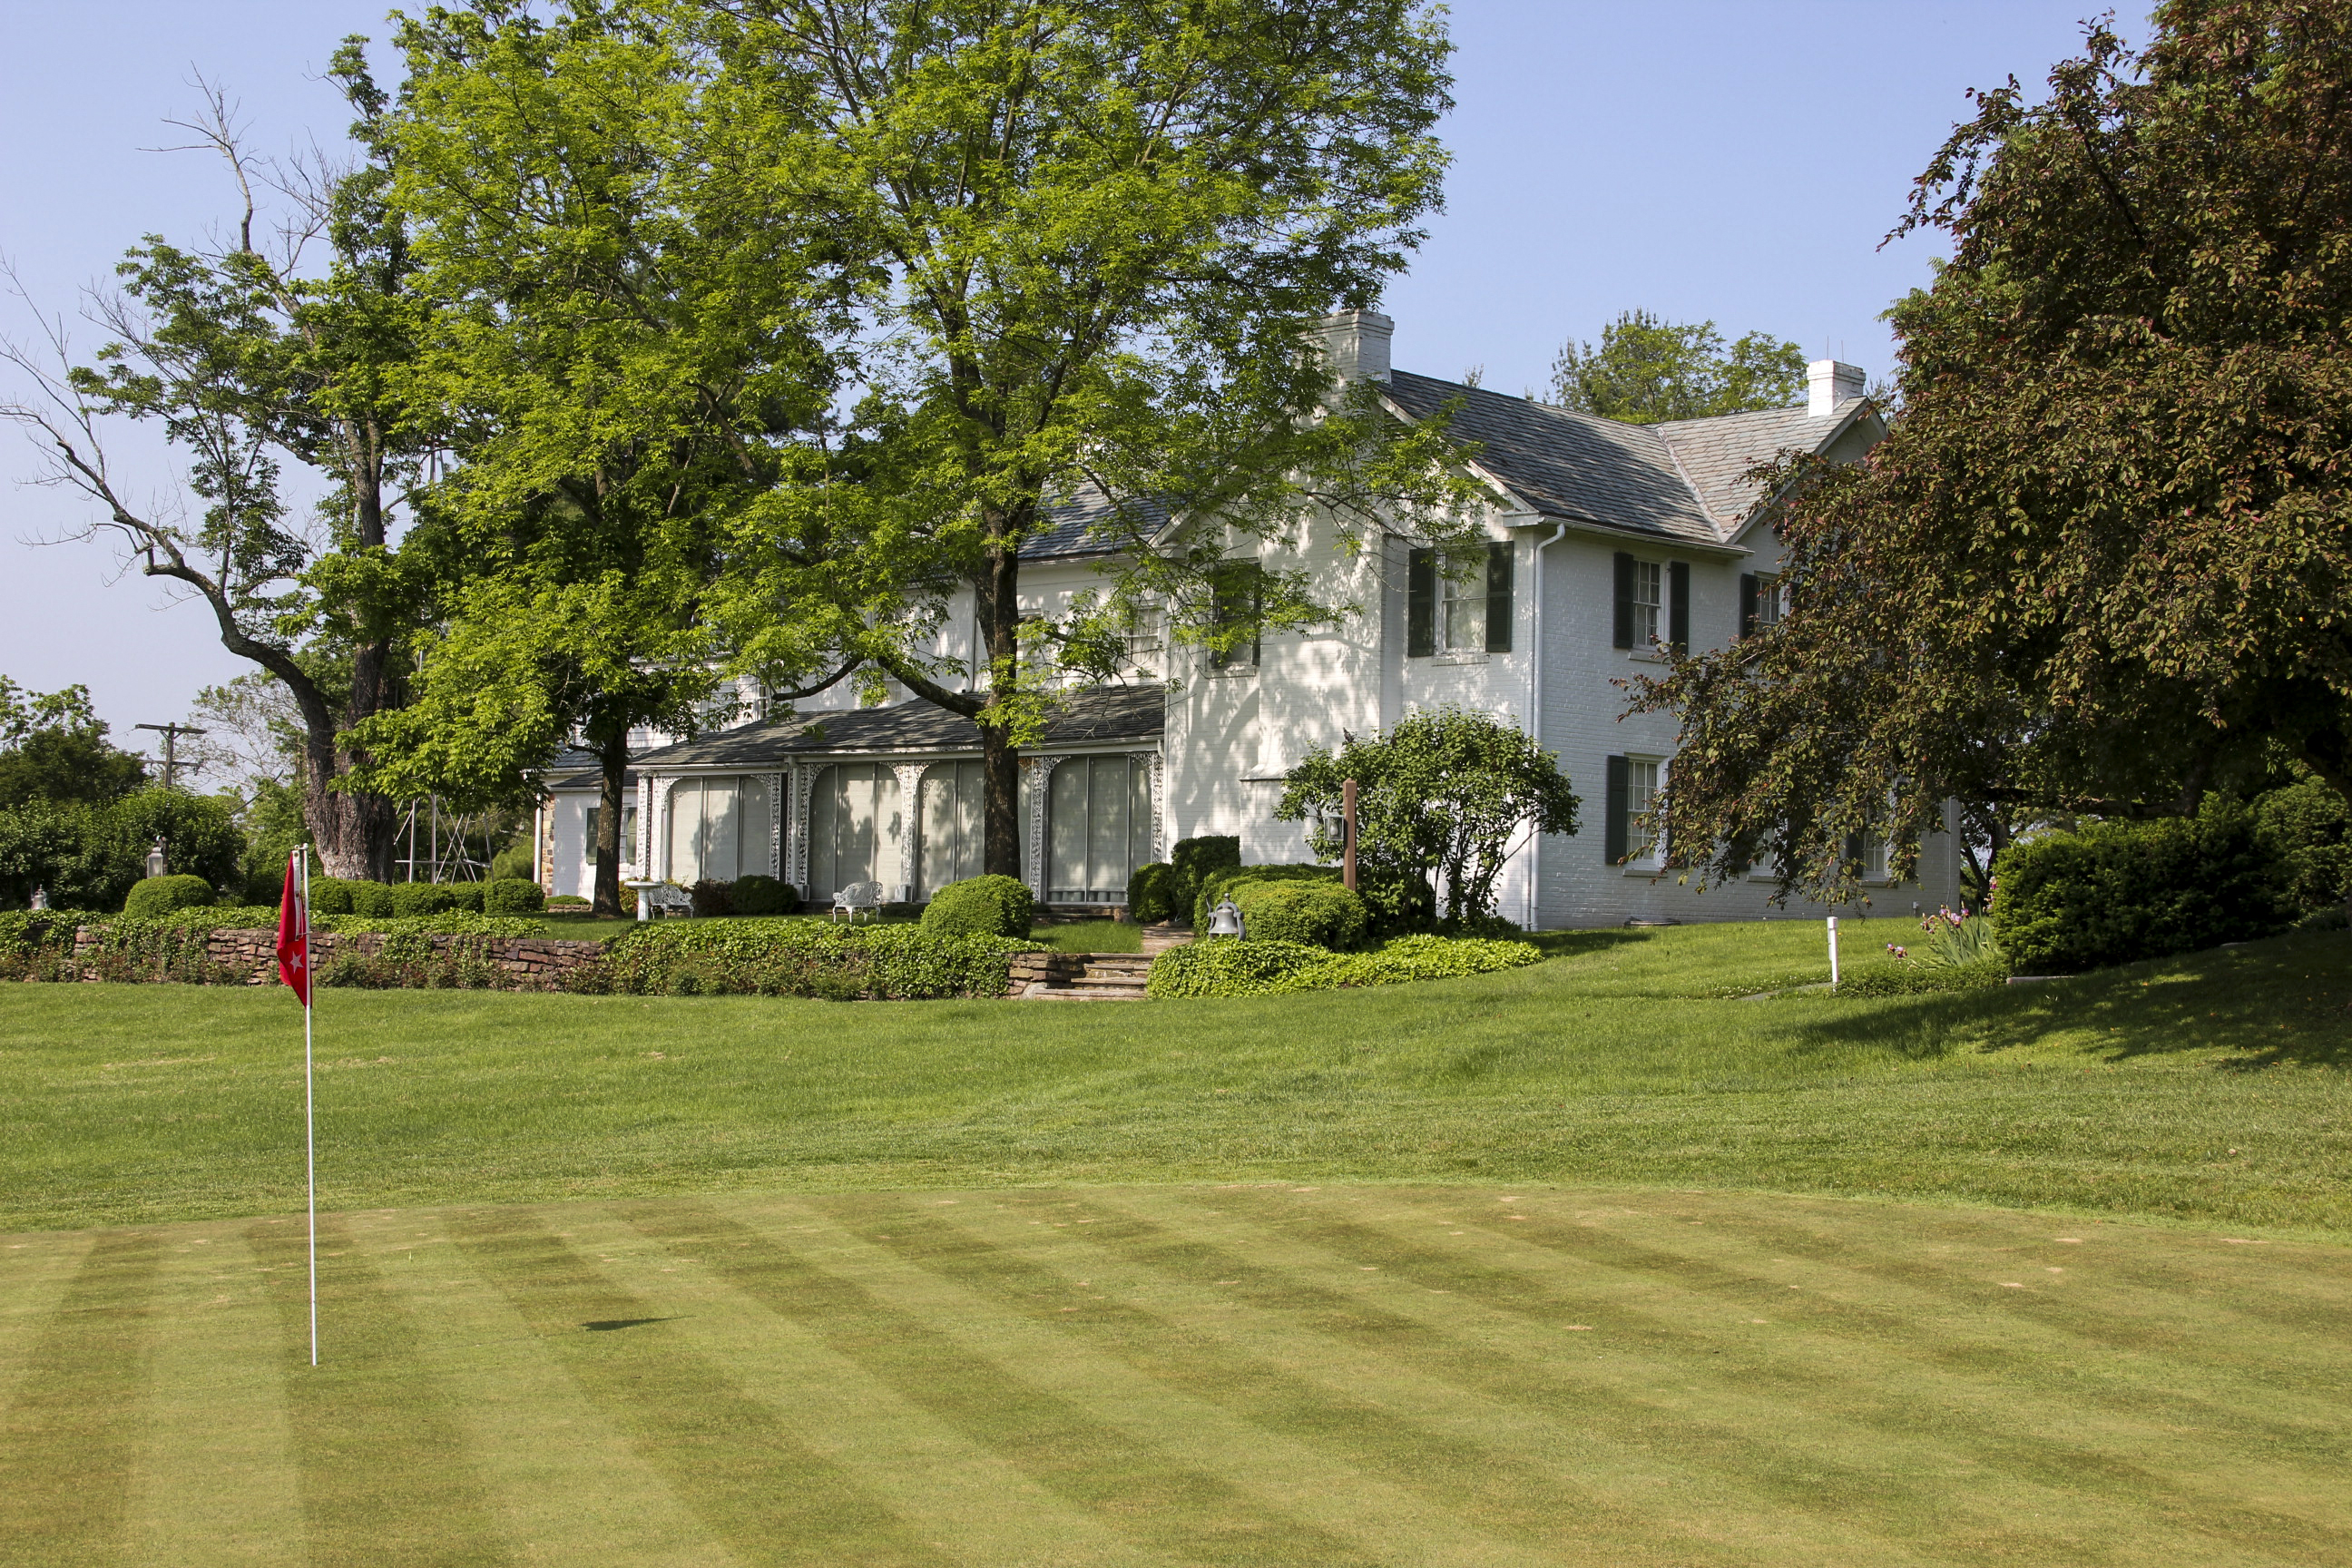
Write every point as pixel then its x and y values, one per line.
pixel 858 898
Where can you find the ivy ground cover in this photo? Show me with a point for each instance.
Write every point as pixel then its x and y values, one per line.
pixel 1393 1276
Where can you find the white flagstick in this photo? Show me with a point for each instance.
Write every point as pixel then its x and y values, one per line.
pixel 309 1115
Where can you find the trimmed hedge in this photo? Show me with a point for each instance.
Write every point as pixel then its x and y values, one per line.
pixel 982 905
pixel 2122 891
pixel 1232 881
pixel 1320 912
pixel 350 895
pixel 803 958
pixel 513 896
pixel 759 895
pixel 153 896
pixel 1250 967
pixel 1193 861
pixel 450 922
pixel 1918 979
pixel 1152 893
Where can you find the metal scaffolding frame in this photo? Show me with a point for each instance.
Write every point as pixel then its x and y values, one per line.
pixel 447 853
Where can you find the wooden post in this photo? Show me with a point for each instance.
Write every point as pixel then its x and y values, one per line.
pixel 1348 834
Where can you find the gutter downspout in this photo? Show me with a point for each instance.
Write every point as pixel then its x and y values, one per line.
pixel 1535 704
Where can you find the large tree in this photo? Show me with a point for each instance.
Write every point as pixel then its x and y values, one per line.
pixel 1099 231
pixel 1648 370
pixel 2099 566
pixel 248 355
pixel 625 340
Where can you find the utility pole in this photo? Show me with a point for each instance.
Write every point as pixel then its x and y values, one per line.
pixel 171 733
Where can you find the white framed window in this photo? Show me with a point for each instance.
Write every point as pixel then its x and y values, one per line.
pixel 1643 775
pixel 1768 600
pixel 1461 612
pixel 1648 601
pixel 1874 867
pixel 628 833
pixel 1145 637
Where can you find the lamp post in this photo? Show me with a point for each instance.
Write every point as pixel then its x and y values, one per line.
pixel 1348 834
pixel 155 857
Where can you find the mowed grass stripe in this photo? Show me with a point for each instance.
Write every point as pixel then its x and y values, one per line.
pixel 731 1458
pixel 1151 1496
pixel 963 1496
pixel 567 1484
pixel 73 1428
pixel 2074 1339
pixel 1365 1423
pixel 1486 1421
pixel 36 1272
pixel 386 1476
pixel 217 1481
pixel 1927 1419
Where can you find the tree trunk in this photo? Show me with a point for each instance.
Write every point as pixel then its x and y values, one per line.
pixel 612 801
pixel 997 598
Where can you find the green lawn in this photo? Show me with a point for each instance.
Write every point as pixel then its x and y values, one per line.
pixel 1552 1267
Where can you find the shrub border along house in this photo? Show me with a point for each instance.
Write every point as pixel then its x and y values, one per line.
pixel 802 957
pixel 1248 966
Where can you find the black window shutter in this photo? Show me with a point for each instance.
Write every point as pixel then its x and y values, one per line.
pixel 1854 852
pixel 1747 604
pixel 1678 608
pixel 1625 599
pixel 1619 793
pixel 1499 597
pixel 1421 603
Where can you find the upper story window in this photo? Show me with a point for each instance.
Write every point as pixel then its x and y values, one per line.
pixel 1653 603
pixel 1463 609
pixel 1238 603
pixel 1760 602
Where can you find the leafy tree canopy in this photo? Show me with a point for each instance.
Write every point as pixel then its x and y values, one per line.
pixel 53 747
pixel 1442 799
pixel 1648 371
pixel 2099 566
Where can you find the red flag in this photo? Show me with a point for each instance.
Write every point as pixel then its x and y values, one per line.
pixel 294 936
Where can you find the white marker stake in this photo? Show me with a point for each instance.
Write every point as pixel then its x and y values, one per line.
pixel 309 1114
pixel 1834 973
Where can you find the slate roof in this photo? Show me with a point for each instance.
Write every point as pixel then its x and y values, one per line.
pixel 1679 480
pixel 562 771
pixel 1070 524
pixel 1097 713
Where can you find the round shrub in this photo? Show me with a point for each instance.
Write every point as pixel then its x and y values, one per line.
pixel 712 899
pixel 410 900
pixel 1193 860
pixel 2122 891
pixel 983 906
pixel 513 896
pixel 154 896
pixel 331 895
pixel 1227 882
pixel 1324 914
pixel 1152 893
pixel 758 895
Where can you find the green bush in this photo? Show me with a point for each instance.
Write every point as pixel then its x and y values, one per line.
pixel 88 856
pixel 1152 893
pixel 2310 830
pixel 803 958
pixel 1220 883
pixel 449 922
pixel 25 933
pixel 1488 928
pixel 513 896
pixel 410 900
pixel 711 899
pixel 1250 967
pixel 758 895
pixel 329 896
pixel 2123 891
pixel 154 896
pixel 1322 913
pixel 226 916
pixel 568 901
pixel 341 896
pixel 1193 860
pixel 982 906
pixel 1227 966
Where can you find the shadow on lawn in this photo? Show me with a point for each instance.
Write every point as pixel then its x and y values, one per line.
pixel 2283 1003
pixel 1579 943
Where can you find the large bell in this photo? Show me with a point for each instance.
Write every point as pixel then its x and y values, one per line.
pixel 1225 920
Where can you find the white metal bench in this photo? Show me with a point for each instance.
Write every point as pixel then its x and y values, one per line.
pixel 661 898
pixel 856 898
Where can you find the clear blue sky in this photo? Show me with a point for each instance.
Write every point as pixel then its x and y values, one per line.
pixel 1732 160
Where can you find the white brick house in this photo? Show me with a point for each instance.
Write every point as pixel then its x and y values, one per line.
pixel 1604 540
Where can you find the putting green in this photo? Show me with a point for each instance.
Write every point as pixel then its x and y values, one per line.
pixel 1246 1374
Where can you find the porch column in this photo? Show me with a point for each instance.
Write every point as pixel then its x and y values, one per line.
pixel 911 825
pixel 774 783
pixel 796 827
pixel 1041 789
pixel 1156 772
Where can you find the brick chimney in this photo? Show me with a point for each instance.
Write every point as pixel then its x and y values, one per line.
pixel 1830 383
pixel 1356 344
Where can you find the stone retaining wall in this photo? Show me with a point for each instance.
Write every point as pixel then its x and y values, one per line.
pixel 1031 968
pixel 531 962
